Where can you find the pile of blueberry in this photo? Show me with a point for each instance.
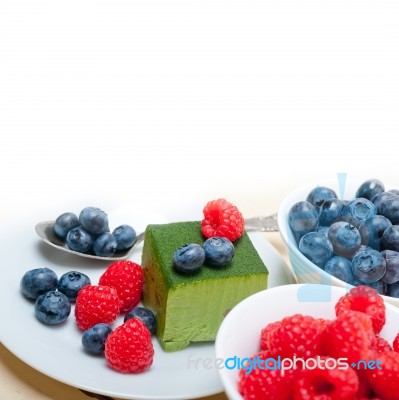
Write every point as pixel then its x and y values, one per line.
pixel 90 233
pixel 215 252
pixel 356 241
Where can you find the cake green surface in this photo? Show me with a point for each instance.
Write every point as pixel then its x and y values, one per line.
pixel 190 308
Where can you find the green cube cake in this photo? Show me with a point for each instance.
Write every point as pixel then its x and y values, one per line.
pixel 190 308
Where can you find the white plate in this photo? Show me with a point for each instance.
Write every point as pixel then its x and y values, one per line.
pixel 57 351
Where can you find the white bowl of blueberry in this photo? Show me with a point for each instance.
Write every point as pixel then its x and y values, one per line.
pixel 344 239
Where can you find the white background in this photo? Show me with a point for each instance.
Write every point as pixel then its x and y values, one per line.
pixel 183 99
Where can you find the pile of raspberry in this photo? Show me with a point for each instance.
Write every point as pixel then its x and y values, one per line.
pixel 352 336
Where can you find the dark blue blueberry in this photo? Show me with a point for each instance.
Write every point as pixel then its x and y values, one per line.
pixel 71 282
pixel 357 211
pixel 392 263
pixel 302 218
pixel 219 251
pixel 125 236
pixel 323 230
pixel 370 188
pixel 64 223
pixel 379 198
pixel 319 194
pixel 372 230
pixel 79 240
pixel 105 245
pixel 189 258
pixel 390 238
pixel 93 340
pixel 390 208
pixel 94 220
pixel 345 239
pixel 52 308
pixel 37 282
pixel 316 247
pixel 340 267
pixel 145 315
pixel 393 290
pixel 330 211
pixel 368 266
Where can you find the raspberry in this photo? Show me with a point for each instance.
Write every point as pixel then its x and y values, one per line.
pixel 395 343
pixel 265 383
pixel 385 381
pixel 222 218
pixel 297 335
pixel 266 334
pixel 96 304
pixel 127 278
pixel 381 345
pixel 129 348
pixel 349 335
pixel 364 299
pixel 326 384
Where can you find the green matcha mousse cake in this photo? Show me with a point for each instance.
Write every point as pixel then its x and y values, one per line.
pixel 190 308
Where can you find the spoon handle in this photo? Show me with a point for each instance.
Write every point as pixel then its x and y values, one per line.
pixel 262 224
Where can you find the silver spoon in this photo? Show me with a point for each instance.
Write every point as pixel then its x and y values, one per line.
pixel 45 231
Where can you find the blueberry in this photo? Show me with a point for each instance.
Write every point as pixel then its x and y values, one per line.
pixel 345 239
pixel 64 223
pixel 323 230
pixel 392 263
pixel 93 340
pixel 319 194
pixel 94 220
pixel 330 211
pixel 370 188
pixel 390 208
pixel 379 198
pixel 125 236
pixel 105 245
pixel 316 247
pixel 340 267
pixel 145 315
pixel 52 308
pixel 357 211
pixel 79 240
pixel 393 290
pixel 302 218
pixel 189 258
pixel 390 238
pixel 394 191
pixel 219 251
pixel 71 282
pixel 368 266
pixel 37 282
pixel 372 229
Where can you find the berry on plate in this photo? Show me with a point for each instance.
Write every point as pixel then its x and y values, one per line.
pixel 129 347
pixel 93 340
pixel 222 218
pixel 52 308
pixel 128 280
pixel 96 304
pixel 146 315
pixel 71 282
pixel 395 343
pixel 366 300
pixel 38 281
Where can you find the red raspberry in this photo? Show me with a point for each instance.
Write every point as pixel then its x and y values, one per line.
pixel 326 384
pixel 364 299
pixel 128 280
pixel 395 343
pixel 381 345
pixel 96 304
pixel 266 333
pixel 129 348
pixel 222 218
pixel 349 335
pixel 298 335
pixel 385 381
pixel 265 383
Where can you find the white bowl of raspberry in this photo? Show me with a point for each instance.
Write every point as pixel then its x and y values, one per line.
pixel 312 343
pixel 344 261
